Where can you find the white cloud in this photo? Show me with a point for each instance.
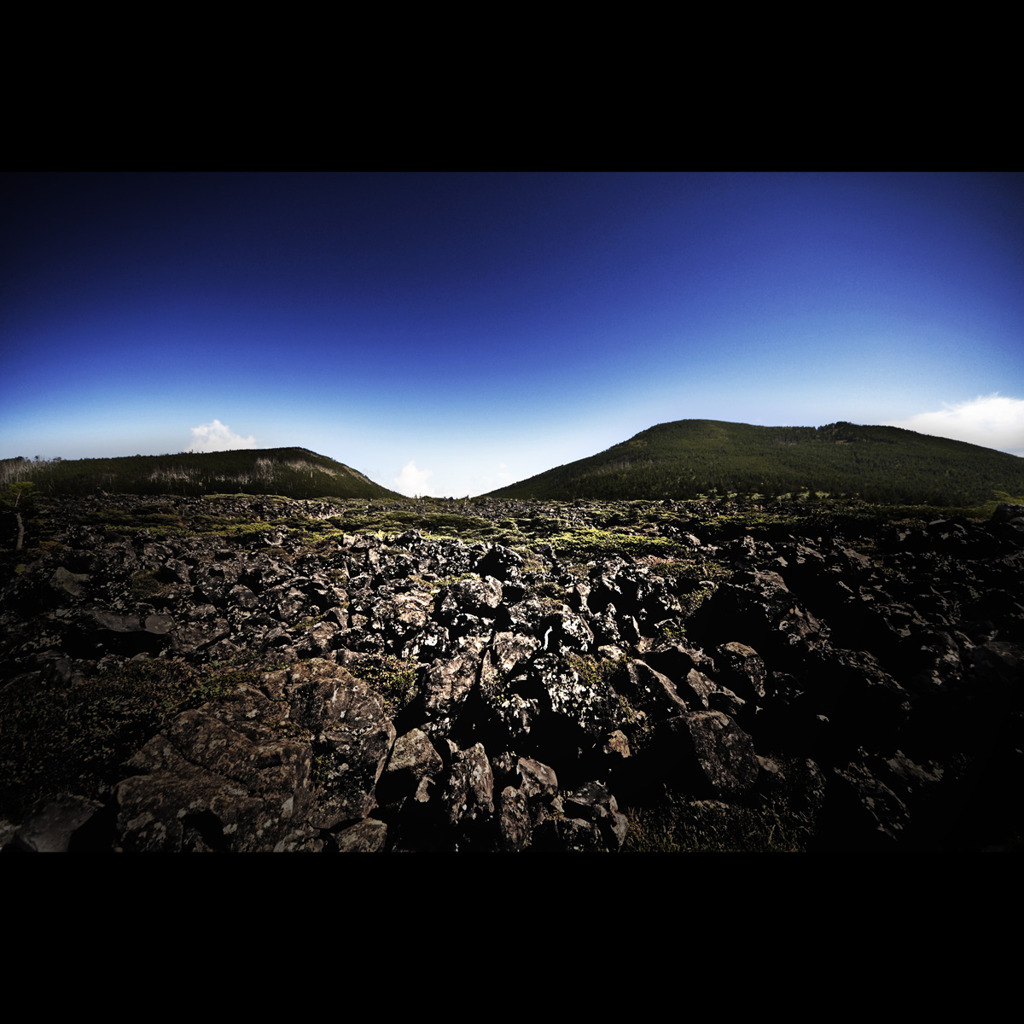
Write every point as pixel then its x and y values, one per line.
pixel 992 421
pixel 217 437
pixel 413 481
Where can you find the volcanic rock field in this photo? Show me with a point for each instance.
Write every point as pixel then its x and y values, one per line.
pixel 247 674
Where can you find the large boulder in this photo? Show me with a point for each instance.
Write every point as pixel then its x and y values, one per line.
pixel 708 754
pixel 298 752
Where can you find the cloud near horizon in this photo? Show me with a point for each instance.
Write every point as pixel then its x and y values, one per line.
pixel 412 481
pixel 217 437
pixel 992 421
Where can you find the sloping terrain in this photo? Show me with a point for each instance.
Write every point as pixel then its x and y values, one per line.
pixel 292 472
pixel 692 458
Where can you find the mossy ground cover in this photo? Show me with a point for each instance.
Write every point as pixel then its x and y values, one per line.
pixel 394 680
pixel 578 530
pixel 391 520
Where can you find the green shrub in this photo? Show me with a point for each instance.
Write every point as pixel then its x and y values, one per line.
pixel 393 679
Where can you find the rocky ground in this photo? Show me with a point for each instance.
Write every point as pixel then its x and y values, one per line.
pixel 250 674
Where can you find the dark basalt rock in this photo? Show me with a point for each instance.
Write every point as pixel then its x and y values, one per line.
pixel 302 751
pixel 856 692
pixel 708 753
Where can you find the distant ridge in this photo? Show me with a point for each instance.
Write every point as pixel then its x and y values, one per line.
pixel 292 472
pixel 688 458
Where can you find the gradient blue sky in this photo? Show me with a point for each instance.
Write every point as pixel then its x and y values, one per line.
pixel 447 333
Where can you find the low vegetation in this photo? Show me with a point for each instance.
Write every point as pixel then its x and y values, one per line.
pixel 683 460
pixel 393 679
pixel 694 458
pixel 293 472
pixel 676 823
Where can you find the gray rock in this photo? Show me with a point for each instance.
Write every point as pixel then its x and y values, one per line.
pixel 514 822
pixel 306 746
pixel 52 825
pixel 413 753
pixel 707 750
pixel 469 791
pixel 367 836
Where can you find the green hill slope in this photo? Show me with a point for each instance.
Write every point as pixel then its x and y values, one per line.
pixel 293 472
pixel 691 457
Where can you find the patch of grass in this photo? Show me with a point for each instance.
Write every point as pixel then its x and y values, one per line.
pixel 678 824
pixel 693 570
pixel 672 632
pixel 586 540
pixel 595 672
pixel 447 581
pixel 395 518
pixel 303 625
pixel 394 680
pixel 549 591
pixel 147 584
pixel 985 509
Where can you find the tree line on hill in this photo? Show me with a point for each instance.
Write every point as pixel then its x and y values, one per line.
pixel 293 472
pixel 682 460
pixel 692 458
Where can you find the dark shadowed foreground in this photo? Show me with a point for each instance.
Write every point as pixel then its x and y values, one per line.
pixel 252 674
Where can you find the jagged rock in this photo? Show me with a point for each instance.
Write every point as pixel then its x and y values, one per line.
pixel 469 790
pixel 307 746
pixel 242 597
pixel 836 653
pixel 649 691
pixel 123 634
pixel 70 583
pixel 403 615
pixel 564 631
pixel 449 683
pixel 539 781
pixel 616 744
pixel 1009 513
pixel 54 825
pixel 574 709
pixel 470 596
pixel 676 659
pixel 864 812
pixel 351 735
pixel 709 752
pixel 413 753
pixel 759 610
pixel 795 787
pixel 501 563
pixel 861 699
pixel 593 801
pixel 367 836
pixel 568 835
pixel 742 669
pixel 514 823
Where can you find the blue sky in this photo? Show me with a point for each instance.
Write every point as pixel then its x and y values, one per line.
pixel 448 333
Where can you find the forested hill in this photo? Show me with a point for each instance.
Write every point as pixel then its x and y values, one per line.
pixel 688 458
pixel 293 472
